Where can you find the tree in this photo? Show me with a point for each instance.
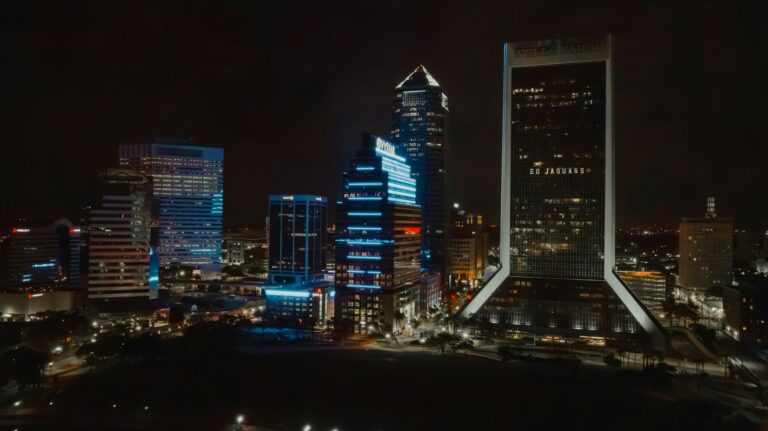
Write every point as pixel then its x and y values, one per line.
pixel 55 327
pixel 343 328
pixel 399 317
pixel 24 365
pixel 505 352
pixel 106 348
pixel 145 347
pixel 464 344
pixel 442 340
pixel 176 315
pixel 484 325
pixel 611 361
pixel 621 353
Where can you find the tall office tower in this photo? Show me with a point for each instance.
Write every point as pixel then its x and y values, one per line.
pixel 557 222
pixel 297 238
pixel 40 259
pixel 419 128
pixel 122 265
pixel 187 198
pixel 467 248
pixel 706 251
pixel 378 241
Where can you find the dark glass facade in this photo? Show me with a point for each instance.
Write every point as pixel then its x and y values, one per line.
pixel 40 259
pixel 558 189
pixel 558 171
pixel 557 242
pixel 419 128
pixel 297 237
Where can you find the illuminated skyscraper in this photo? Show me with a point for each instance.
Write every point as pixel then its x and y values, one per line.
pixel 297 237
pixel 122 265
pixel 419 127
pixel 378 241
pixel 706 251
pixel 187 198
pixel 557 222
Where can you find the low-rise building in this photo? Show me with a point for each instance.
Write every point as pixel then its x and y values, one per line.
pixel 310 303
pixel 746 310
pixel 652 287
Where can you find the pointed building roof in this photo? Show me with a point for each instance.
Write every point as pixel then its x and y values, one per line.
pixel 419 78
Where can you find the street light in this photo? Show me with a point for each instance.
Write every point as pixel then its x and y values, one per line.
pixel 16 405
pixel 307 427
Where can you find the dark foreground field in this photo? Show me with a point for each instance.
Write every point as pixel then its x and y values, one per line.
pixel 376 390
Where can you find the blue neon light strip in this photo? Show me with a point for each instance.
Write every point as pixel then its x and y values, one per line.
pixel 400 168
pixel 364 214
pixel 288 293
pixel 43 265
pixel 362 242
pixel 400 193
pixel 364 286
pixel 365 198
pixel 376 228
pixel 404 180
pixel 364 168
pixel 356 257
pixel 402 201
pixel 356 271
pixel 391 156
pixel 402 187
pixel 364 183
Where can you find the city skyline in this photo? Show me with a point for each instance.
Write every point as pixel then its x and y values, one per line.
pixel 667 161
pixel 383 215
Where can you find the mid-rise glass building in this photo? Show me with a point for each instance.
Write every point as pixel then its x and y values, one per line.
pixel 297 237
pixel 187 201
pixel 706 251
pixel 378 241
pixel 40 258
pixel 419 129
pixel 123 267
pixel 557 223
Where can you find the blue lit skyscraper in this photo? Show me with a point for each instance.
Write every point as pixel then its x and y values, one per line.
pixel 378 241
pixel 297 237
pixel 419 127
pixel 187 201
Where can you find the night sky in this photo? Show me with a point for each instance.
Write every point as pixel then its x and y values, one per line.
pixel 288 88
